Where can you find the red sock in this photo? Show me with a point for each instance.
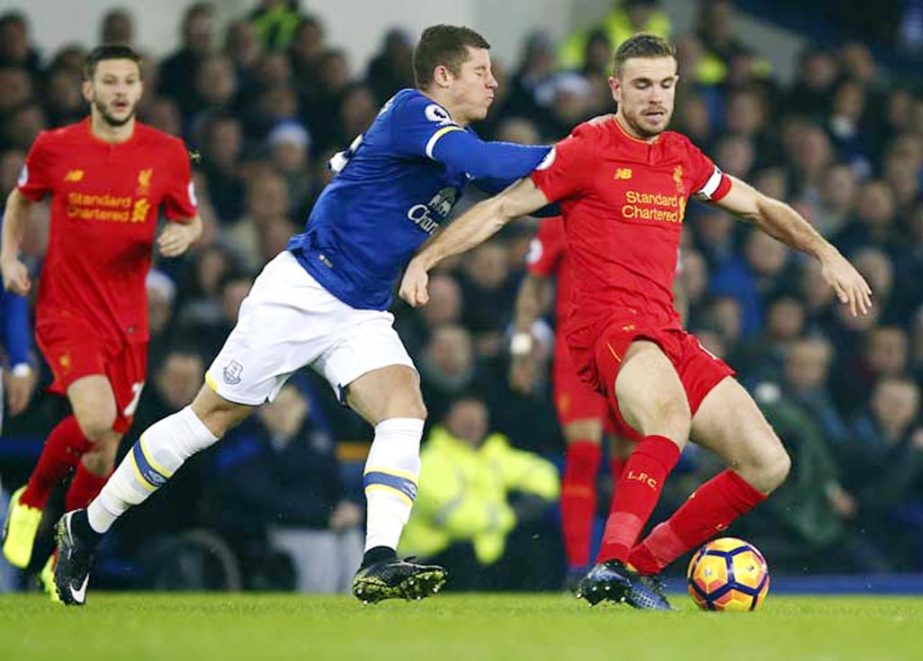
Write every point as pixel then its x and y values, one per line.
pixel 84 488
pixel 578 500
pixel 709 510
pixel 63 449
pixel 636 495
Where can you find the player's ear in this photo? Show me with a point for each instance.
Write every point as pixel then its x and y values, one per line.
pixel 442 77
pixel 86 88
pixel 615 87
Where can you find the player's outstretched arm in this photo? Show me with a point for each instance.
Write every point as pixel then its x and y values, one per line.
pixel 474 227
pixel 15 275
pixel 782 222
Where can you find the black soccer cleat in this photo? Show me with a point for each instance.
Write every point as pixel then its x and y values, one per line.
pixel 397 579
pixel 613 581
pixel 75 559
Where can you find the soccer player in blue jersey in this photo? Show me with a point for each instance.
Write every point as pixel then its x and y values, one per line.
pixel 14 331
pixel 323 302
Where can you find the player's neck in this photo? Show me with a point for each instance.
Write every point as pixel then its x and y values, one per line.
pixel 627 130
pixel 104 131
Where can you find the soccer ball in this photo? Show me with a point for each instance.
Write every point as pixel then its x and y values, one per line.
pixel 728 574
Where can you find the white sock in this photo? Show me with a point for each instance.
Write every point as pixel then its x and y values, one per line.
pixel 153 459
pixel 391 474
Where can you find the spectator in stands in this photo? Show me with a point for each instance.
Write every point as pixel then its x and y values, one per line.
pixel 762 356
pixel 884 466
pixel 179 70
pixel 625 18
pixel 447 367
pixel 486 278
pixel 279 487
pixel 475 488
pixel 221 141
pixel 276 21
pixel 391 68
pixel 805 382
pixel 267 200
pixel 117 27
pixel 16 48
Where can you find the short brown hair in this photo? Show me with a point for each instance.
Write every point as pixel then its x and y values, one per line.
pixel 445 45
pixel 108 52
pixel 642 44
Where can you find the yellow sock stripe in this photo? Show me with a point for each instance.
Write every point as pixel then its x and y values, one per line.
pixel 157 467
pixel 391 491
pixel 396 472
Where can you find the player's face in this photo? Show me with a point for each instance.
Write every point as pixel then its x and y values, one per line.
pixel 473 88
pixel 115 90
pixel 645 92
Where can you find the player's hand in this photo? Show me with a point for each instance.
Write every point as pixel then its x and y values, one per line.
pixel 16 277
pixel 176 238
pixel 19 389
pixel 522 374
pixel 345 515
pixel 850 287
pixel 414 286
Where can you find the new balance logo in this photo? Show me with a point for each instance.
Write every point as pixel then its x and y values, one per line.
pixel 623 173
pixel 73 175
pixel 643 477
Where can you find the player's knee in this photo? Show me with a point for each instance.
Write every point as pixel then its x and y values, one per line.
pixel 776 470
pixel 101 460
pixel 96 422
pixel 767 472
pixel 670 417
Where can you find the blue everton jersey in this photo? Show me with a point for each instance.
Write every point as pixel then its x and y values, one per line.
pixel 393 188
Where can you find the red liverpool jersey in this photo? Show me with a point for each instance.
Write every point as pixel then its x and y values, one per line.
pixel 548 258
pixel 623 201
pixel 104 210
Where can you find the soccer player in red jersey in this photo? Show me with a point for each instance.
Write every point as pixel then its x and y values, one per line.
pixel 622 182
pixel 108 177
pixel 582 412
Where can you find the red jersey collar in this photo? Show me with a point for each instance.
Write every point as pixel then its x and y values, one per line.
pixel 88 123
pixel 636 147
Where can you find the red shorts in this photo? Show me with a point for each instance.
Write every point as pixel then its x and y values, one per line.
pixel 74 350
pixel 572 398
pixel 599 357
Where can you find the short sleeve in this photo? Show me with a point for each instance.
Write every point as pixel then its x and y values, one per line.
pixel 180 200
pixel 418 124
pixel 35 179
pixel 546 248
pixel 563 173
pixel 709 183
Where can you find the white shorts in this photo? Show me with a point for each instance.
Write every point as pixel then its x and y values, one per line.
pixel 288 321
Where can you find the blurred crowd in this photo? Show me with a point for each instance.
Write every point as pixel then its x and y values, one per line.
pixel 264 103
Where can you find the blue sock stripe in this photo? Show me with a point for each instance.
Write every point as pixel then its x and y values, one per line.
pixel 150 474
pixel 400 484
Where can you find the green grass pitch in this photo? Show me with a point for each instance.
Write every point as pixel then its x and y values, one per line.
pixel 449 627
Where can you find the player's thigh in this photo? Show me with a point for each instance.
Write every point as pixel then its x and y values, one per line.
pixel 93 403
pixel 730 424
pixel 387 392
pixel 650 395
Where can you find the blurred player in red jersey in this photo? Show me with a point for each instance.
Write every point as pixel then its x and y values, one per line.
pixel 582 412
pixel 622 182
pixel 108 177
